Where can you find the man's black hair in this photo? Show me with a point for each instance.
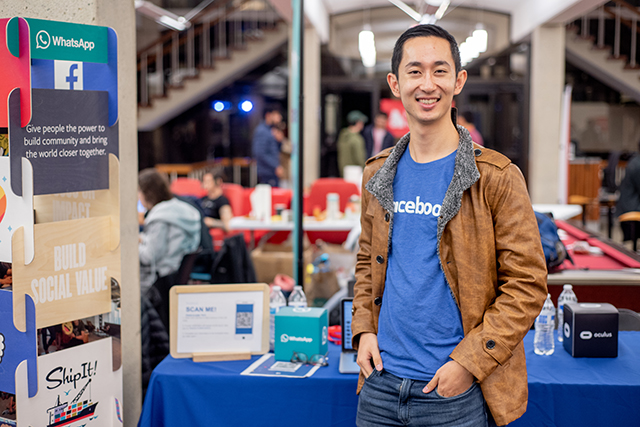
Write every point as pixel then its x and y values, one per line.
pixel 426 30
pixel 270 108
pixel 380 113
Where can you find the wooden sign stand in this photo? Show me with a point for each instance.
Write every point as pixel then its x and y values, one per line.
pixel 225 301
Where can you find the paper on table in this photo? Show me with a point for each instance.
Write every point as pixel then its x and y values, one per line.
pixel 267 366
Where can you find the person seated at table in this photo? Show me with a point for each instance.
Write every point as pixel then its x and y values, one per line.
pixel 629 199
pixel 171 229
pixel 215 206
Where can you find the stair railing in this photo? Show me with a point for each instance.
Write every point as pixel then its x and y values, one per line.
pixel 216 30
pixel 622 13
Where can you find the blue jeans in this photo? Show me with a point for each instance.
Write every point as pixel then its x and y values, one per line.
pixel 386 400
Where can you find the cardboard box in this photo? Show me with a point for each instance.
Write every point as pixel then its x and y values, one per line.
pixel 303 330
pixel 590 329
pixel 270 259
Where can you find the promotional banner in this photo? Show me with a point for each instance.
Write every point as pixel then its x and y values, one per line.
pixel 76 387
pixel 69 277
pixel 79 75
pixel 15 68
pixel 397 123
pixel 16 346
pixel 68 141
pixel 67 41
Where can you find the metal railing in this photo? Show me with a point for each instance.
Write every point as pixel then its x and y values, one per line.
pixel 613 25
pixel 215 32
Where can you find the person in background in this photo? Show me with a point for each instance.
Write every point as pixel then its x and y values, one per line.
pixel 450 274
pixel 466 119
pixel 351 149
pixel 629 199
pixel 266 149
pixel 171 229
pixel 215 206
pixel 376 136
pixel 6 278
pixel 279 133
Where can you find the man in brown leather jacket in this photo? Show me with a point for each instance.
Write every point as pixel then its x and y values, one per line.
pixel 447 287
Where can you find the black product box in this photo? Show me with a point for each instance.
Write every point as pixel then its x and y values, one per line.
pixel 590 329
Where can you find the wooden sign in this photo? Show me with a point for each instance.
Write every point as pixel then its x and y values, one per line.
pixel 219 322
pixel 69 277
pixel 85 204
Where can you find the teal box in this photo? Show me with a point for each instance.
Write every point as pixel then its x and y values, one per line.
pixel 303 330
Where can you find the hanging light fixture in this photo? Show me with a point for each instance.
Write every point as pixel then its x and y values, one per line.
pixel 367 47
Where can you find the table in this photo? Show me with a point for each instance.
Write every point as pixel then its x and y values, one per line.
pixel 559 211
pixel 567 391
pixel 563 391
pixel 613 277
pixel 185 393
pixel 308 224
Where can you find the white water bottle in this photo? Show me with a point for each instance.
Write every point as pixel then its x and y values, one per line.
pixel 543 342
pixel 276 302
pixel 567 295
pixel 297 299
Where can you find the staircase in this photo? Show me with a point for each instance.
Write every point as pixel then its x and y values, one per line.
pixel 604 44
pixel 184 68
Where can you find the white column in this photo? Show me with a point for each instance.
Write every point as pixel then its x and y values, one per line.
pixel 120 15
pixel 547 85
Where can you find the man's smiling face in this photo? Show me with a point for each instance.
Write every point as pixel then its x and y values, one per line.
pixel 427 80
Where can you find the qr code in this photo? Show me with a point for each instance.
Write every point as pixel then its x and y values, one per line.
pixel 244 319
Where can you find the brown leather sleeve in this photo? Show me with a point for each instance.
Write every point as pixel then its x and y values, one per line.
pixel 522 273
pixel 362 320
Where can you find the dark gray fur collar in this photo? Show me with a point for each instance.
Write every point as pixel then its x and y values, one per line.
pixel 465 174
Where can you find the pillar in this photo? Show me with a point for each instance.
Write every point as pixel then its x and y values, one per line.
pixel 547 86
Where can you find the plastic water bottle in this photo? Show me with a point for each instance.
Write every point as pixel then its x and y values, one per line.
pixel 567 295
pixel 297 299
pixel 276 302
pixel 543 342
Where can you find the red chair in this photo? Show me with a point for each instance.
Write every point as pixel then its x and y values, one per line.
pixel 323 186
pixel 236 195
pixel 318 198
pixel 187 187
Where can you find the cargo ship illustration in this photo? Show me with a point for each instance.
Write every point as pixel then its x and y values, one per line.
pixel 65 413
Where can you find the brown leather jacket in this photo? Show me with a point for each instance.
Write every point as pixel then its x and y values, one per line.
pixel 490 251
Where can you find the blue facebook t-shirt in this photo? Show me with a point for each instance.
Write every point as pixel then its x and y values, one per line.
pixel 420 322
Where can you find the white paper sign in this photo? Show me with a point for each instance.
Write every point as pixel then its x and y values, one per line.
pixel 228 321
pixel 15 211
pixel 76 387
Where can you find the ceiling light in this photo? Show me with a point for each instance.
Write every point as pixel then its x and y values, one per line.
pixel 162 16
pixel 367 48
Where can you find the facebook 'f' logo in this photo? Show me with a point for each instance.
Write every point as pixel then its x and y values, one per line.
pixel 68 75
pixel 71 79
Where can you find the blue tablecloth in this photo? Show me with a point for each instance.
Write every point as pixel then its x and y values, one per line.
pixel 563 391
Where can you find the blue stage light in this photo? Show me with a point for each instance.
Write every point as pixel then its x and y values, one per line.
pixel 218 106
pixel 246 106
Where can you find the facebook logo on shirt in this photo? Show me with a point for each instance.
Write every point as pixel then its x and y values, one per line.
pixel 68 75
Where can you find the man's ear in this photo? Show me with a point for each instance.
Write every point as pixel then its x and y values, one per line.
pixel 460 81
pixel 392 80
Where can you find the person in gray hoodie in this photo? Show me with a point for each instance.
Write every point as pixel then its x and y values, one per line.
pixel 171 229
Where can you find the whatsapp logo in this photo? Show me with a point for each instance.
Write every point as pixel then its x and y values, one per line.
pixel 43 39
